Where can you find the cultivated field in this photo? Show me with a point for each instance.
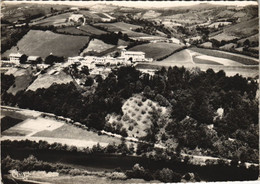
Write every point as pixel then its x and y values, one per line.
pixel 91 30
pixel 156 50
pixel 42 43
pixel 52 131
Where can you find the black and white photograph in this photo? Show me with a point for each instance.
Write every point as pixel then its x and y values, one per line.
pixel 104 92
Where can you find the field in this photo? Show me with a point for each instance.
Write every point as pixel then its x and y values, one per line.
pixel 91 30
pixel 183 58
pixel 71 30
pixel 245 60
pixel 46 80
pixel 23 78
pixel 53 20
pixel 240 30
pixel 42 43
pixel 7 122
pixel 51 130
pixel 204 61
pixel 224 36
pixel 97 46
pixel 68 179
pixel 123 27
pixel 156 50
pixel 253 38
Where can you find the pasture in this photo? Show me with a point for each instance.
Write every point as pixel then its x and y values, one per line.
pixel 156 50
pixel 42 43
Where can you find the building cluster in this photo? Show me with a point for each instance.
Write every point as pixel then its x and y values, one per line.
pixel 16 58
pixel 126 58
pixel 83 18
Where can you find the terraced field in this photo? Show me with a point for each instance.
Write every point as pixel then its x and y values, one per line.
pixel 42 43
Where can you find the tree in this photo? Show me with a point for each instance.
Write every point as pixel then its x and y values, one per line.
pixel 51 59
pixel 23 59
pixel 167 175
pixel 89 81
pixel 246 42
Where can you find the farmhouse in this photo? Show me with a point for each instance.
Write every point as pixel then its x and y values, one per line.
pixel 34 59
pixel 77 18
pixel 174 40
pixel 15 58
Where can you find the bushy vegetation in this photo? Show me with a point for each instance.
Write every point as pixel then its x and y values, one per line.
pixel 29 164
pixel 193 98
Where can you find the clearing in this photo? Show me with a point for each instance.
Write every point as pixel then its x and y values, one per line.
pixel 156 50
pixel 42 43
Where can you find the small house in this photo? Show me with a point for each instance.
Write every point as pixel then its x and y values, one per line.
pixel 15 58
pixel 34 59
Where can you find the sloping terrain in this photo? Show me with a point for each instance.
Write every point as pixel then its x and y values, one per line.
pixel 23 79
pixel 156 50
pixel 98 46
pixel 47 79
pixel 240 30
pixel 42 43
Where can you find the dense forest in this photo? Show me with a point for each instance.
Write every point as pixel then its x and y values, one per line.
pixel 193 98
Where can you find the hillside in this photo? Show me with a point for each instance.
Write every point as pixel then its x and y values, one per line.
pixel 42 43
pixel 156 50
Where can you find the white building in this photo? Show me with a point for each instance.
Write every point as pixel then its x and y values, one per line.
pixel 133 55
pixel 15 58
pixel 77 18
pixel 34 59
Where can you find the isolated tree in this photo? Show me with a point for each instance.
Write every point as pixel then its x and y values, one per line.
pixel 23 59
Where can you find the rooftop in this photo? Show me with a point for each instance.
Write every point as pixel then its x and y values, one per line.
pixel 32 58
pixel 15 55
